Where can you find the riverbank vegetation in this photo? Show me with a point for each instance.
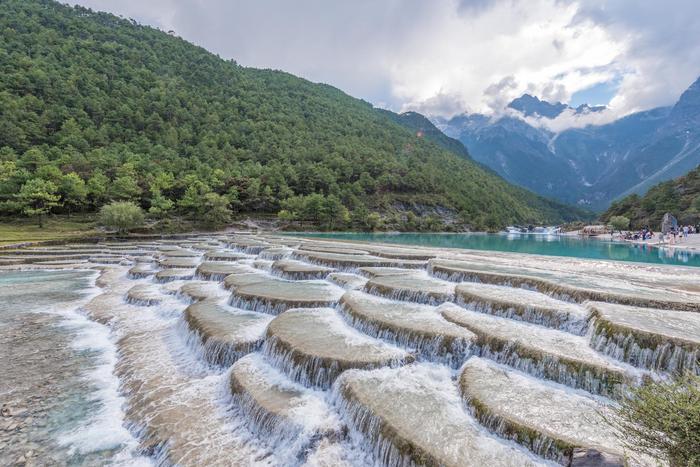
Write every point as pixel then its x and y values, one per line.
pixel 680 197
pixel 662 419
pixel 97 109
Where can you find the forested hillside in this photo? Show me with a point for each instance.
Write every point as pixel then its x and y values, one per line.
pixel 94 108
pixel 680 197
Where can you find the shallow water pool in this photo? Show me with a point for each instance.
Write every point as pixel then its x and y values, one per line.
pixel 550 245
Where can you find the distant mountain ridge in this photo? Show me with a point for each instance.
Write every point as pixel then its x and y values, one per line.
pixel 532 106
pixel 589 166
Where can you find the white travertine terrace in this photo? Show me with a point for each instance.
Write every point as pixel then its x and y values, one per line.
pixel 414 325
pixel 647 337
pixel 274 295
pixel 414 415
pixel 416 287
pixel 225 333
pixel 293 269
pixel 347 280
pixel 316 345
pixel 523 304
pixel 554 354
pixel 218 365
pixel 522 406
pixel 143 294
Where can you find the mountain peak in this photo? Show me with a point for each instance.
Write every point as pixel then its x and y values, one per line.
pixel 530 105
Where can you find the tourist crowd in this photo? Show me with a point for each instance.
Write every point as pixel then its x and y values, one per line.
pixel 675 233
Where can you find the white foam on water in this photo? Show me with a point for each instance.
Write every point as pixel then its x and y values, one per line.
pixel 105 429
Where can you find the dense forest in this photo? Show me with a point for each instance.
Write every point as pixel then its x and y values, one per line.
pixel 96 108
pixel 680 197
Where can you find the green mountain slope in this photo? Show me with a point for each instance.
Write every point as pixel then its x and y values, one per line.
pixel 423 127
pixel 101 109
pixel 680 197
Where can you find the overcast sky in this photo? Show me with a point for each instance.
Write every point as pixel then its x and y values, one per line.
pixel 444 57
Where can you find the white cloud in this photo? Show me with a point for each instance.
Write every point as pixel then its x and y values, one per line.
pixel 448 56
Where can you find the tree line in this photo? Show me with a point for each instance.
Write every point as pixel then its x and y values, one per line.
pixel 97 109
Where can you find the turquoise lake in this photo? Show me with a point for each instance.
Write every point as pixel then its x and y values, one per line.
pixel 533 244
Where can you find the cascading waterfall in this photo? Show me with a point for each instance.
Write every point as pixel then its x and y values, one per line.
pixel 441 349
pixel 569 323
pixel 187 406
pixel 665 357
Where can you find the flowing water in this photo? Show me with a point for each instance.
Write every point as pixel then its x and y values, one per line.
pixel 263 350
pixel 59 396
pixel 551 245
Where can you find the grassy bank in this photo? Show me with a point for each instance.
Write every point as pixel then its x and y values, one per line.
pixel 55 228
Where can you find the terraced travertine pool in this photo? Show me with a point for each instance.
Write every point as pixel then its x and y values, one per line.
pixel 258 349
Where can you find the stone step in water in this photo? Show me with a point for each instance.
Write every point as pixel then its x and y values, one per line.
pixel 218 270
pixel 417 287
pixel 313 346
pixel 196 291
pixel 167 247
pixel 262 264
pixel 249 246
pixel 224 333
pixel 275 253
pixel 662 340
pixel 414 415
pixel 347 280
pixel 372 272
pixel 234 281
pixel 272 295
pixel 179 262
pixel 174 274
pixel 204 246
pixel 524 305
pixel 179 253
pixel 105 259
pixel 298 270
pixel 140 271
pixel 401 253
pixel 418 327
pixel 567 286
pixel 330 248
pixel 283 413
pixel 347 262
pixel 224 255
pixel 144 294
pixel 549 353
pixel 549 419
